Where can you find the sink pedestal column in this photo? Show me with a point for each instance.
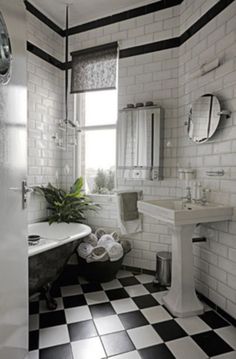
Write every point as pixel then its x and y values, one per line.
pixel 181 299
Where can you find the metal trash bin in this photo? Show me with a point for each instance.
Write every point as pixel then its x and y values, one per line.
pixel 163 268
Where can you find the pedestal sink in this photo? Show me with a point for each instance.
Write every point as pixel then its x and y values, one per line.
pixel 181 217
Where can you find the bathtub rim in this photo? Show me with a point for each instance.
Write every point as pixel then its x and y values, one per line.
pixel 49 244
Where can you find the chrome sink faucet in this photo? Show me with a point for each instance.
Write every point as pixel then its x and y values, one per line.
pixel 204 200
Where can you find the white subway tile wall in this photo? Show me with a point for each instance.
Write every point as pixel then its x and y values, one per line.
pixel 215 260
pixel 45 109
pixel 164 77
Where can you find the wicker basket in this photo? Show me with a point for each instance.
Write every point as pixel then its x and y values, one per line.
pixel 99 271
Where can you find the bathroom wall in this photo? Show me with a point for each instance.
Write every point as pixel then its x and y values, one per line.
pixel 45 109
pixel 215 261
pixel 152 76
pixel 165 77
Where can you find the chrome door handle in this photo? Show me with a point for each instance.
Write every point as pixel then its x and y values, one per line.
pixel 15 189
pixel 28 189
pixel 24 190
pixel 18 189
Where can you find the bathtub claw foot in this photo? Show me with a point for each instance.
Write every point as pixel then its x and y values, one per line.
pixel 50 301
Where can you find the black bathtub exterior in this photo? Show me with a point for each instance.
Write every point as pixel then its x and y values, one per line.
pixel 46 267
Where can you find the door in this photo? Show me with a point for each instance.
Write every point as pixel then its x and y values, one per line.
pixel 13 159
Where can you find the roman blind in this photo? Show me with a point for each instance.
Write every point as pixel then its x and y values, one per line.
pixel 94 68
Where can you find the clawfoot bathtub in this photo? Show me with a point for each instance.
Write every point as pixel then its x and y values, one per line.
pixel 48 258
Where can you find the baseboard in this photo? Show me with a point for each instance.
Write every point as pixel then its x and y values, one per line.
pixel 138 270
pixel 220 311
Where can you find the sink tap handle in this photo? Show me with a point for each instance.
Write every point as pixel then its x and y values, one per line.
pixel 204 195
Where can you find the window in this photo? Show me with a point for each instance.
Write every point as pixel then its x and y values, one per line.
pixel 97 116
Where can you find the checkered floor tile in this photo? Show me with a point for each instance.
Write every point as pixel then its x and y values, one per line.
pixel 123 319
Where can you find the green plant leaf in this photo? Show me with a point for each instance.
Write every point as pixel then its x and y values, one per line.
pixel 67 207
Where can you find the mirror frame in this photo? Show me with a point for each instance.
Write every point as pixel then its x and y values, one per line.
pixel 188 123
pixel 6 76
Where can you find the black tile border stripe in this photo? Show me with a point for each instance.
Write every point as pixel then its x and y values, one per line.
pixel 125 15
pixel 177 41
pixel 150 47
pixel 40 16
pixel 204 19
pixel 214 306
pixel 108 20
pixel 129 14
pixel 45 56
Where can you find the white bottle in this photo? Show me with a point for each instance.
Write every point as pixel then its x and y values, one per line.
pixel 198 191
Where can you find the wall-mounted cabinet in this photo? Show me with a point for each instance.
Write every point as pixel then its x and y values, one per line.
pixel 140 143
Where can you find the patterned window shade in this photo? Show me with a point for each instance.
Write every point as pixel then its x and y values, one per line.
pixel 94 68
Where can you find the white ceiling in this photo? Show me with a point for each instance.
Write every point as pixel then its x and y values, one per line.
pixel 82 11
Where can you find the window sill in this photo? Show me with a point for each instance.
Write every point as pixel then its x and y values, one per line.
pixel 102 198
pixel 100 195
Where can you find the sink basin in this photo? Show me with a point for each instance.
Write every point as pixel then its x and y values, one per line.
pixel 176 212
pixel 182 218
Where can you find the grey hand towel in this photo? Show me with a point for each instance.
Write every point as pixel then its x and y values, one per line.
pixel 130 220
pixel 129 206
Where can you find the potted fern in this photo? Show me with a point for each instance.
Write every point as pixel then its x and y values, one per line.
pixel 67 206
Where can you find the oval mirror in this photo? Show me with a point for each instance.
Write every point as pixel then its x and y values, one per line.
pixel 5 53
pixel 203 118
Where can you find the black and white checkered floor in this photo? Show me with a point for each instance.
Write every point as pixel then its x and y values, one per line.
pixel 123 319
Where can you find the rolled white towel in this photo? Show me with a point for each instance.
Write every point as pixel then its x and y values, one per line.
pixel 98 254
pixel 126 245
pixel 105 240
pixel 84 250
pixel 91 239
pixel 114 249
pixel 99 232
pixel 115 252
pixel 115 235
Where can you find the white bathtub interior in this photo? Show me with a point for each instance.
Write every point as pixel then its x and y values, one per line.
pixel 55 234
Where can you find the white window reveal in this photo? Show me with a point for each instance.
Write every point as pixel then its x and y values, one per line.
pixel 97 116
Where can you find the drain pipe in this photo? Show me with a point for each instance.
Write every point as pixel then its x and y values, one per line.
pixel 199 239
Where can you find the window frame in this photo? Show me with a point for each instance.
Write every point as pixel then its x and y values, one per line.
pixel 78 151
